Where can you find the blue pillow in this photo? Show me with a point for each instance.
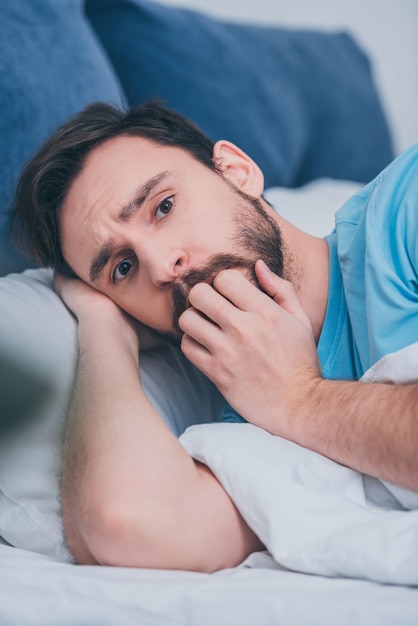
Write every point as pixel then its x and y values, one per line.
pixel 303 104
pixel 51 66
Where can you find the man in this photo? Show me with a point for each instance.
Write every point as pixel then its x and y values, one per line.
pixel 173 230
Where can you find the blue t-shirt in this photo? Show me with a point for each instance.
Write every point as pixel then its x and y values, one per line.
pixel 373 275
pixel 373 291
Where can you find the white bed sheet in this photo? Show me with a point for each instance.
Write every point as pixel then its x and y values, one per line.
pixel 37 591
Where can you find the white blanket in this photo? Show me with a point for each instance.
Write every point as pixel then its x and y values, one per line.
pixel 312 514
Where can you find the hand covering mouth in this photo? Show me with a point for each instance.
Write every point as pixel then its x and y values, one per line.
pixel 204 274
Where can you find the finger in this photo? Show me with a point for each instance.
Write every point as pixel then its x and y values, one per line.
pixel 212 304
pixel 58 282
pixel 280 290
pixel 199 328
pixel 238 289
pixel 197 354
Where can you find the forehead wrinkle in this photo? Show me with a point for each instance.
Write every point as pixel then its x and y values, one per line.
pixel 124 214
pixel 140 195
pixel 106 251
pixel 101 259
pixel 95 206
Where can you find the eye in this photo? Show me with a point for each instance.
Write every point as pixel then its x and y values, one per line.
pixel 122 270
pixel 164 208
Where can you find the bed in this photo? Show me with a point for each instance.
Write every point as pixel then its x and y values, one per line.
pixel 315 95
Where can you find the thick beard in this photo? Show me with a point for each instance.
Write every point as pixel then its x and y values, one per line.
pixel 257 237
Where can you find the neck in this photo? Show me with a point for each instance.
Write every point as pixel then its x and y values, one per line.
pixel 306 260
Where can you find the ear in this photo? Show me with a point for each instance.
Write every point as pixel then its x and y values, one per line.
pixel 238 168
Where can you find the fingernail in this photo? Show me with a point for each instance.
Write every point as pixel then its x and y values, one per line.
pixel 264 264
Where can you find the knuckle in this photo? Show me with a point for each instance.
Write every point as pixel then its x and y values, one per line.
pixel 224 277
pixel 185 319
pixel 221 311
pixel 288 286
pixel 269 317
pixel 245 332
pixel 185 344
pixel 219 281
pixel 223 380
pixel 197 291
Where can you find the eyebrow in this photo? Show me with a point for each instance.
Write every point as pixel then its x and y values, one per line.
pixel 125 214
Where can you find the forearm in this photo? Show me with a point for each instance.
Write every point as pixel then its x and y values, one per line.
pixel 131 494
pixel 370 427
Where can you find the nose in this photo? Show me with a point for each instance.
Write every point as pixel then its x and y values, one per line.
pixel 166 265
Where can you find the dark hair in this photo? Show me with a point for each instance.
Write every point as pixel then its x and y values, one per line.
pixel 46 178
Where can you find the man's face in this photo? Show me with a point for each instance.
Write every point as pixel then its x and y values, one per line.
pixel 143 223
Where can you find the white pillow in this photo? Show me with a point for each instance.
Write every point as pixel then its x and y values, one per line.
pixel 313 206
pixel 38 334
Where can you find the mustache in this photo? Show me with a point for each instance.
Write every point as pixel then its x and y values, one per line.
pixel 204 274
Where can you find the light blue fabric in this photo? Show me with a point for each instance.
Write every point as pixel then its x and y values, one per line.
pixel 373 303
pixel 335 348
pixel 230 415
pixel 51 66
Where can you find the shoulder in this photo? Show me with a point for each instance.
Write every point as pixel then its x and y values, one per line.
pixel 386 206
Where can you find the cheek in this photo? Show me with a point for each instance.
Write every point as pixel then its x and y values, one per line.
pixel 211 223
pixel 152 309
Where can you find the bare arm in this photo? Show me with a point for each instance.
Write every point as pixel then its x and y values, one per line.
pixel 372 427
pixel 262 356
pixel 131 494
